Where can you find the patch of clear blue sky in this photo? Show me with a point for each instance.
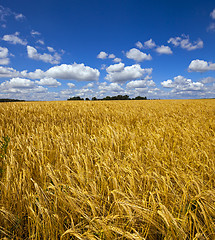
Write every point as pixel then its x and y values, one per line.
pixel 83 28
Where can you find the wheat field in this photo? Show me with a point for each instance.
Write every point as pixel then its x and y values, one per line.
pixel 107 170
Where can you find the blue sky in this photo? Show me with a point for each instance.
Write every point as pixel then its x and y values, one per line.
pixel 53 50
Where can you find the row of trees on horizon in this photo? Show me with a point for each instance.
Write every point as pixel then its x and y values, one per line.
pixel 10 100
pixel 118 97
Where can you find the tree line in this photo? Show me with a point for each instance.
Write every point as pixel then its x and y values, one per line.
pixel 10 100
pixel 118 97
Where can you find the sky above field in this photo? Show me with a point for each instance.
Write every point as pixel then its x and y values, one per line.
pixel 53 50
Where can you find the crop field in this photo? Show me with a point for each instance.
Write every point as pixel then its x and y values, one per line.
pixel 107 170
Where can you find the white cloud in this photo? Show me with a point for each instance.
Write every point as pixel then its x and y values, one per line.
pixel 49 81
pixel 212 14
pixel 35 33
pixel 137 55
pixel 140 84
pixel 115 68
pixel 128 73
pixel 6 12
pixel 163 50
pixel 17 83
pixel 8 72
pixel 201 66
pixel 37 74
pixel 113 87
pixel 117 60
pixel 102 55
pixel 167 84
pixel 19 16
pixel 14 39
pixel 89 85
pixel 83 92
pixel 71 85
pixel 78 72
pixel 181 83
pixel 21 85
pixel 4 60
pixel 41 42
pixel 3 52
pixel 51 49
pixel 184 42
pixel 208 80
pixel 48 58
pixel 139 45
pixel 111 56
pixel 149 44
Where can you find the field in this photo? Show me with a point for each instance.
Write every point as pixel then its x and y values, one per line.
pixel 107 170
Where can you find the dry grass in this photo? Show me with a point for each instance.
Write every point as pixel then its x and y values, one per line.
pixel 108 170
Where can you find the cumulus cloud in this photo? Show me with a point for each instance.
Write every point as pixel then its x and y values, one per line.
pixel 51 49
pixel 115 68
pixel 14 39
pixel 70 85
pixel 6 72
pixel 137 55
pixel 48 58
pixel 149 44
pixel 181 83
pixel 21 85
pixel 201 66
pixel 3 52
pixel 4 60
pixel 17 83
pixel 37 74
pixel 78 72
pixel 212 14
pixel 102 55
pixel 163 50
pixel 89 85
pixel 117 60
pixel 41 42
pixel 111 55
pixel 139 45
pixel 49 81
pixel 208 80
pixel 75 71
pixel 128 73
pixel 140 84
pixel 113 87
pixel 184 42
pixel 83 92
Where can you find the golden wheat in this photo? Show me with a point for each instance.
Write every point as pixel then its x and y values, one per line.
pixel 108 170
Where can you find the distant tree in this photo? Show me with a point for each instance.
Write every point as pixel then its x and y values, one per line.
pixel 94 99
pixel 75 98
pixel 118 97
pixel 140 98
pixel 87 99
pixel 107 98
pixel 11 100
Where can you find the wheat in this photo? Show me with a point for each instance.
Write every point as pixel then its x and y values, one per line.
pixel 108 170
